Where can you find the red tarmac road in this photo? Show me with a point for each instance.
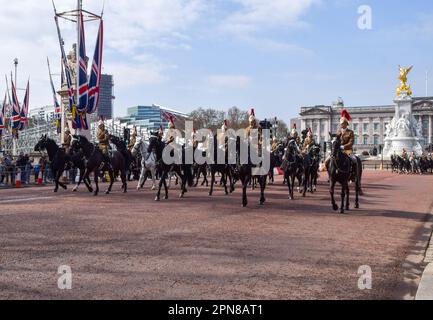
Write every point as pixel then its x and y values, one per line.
pixel 130 247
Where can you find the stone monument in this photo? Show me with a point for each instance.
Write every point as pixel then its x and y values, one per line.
pixel 404 132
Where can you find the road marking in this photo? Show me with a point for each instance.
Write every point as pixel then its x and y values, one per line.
pixel 16 199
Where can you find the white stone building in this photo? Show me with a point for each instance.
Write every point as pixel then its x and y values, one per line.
pixel 369 122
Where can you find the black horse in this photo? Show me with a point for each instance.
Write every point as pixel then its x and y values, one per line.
pixel 224 169
pixel 292 166
pixel 183 171
pixel 245 172
pixel 310 167
pixel 342 170
pixel 59 160
pixel 121 165
pixel 95 162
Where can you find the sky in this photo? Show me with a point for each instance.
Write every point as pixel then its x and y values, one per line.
pixel 273 55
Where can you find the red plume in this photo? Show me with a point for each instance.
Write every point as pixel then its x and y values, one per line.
pixel 171 119
pixel 309 130
pixel 346 114
pixel 161 128
pixel 252 112
pixel 294 126
pixel 226 123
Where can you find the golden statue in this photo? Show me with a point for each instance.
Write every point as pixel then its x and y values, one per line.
pixel 404 87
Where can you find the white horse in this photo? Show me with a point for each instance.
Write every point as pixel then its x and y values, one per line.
pixel 148 163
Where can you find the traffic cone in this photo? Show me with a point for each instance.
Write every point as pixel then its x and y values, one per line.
pixel 18 183
pixel 40 180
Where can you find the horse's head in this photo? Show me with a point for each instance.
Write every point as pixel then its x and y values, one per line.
pixel 138 146
pixel 315 151
pixel 42 143
pixel 335 145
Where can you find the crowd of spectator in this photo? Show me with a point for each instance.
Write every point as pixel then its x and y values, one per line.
pixel 29 168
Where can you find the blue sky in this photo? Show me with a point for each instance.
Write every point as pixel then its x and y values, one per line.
pixel 274 55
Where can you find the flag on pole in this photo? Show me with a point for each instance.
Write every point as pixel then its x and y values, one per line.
pixel 67 72
pixel 95 74
pixel 16 112
pixel 82 80
pixel 3 116
pixel 57 108
pixel 25 109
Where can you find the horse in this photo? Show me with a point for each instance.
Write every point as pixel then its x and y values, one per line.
pixel 58 159
pixel 342 169
pixel 224 169
pixel 148 162
pixel 291 166
pixel 121 165
pixel 183 171
pixel 95 162
pixel 311 164
pixel 244 173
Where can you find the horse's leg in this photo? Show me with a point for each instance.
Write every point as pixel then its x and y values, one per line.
pixel 59 175
pixel 332 191
pixel 287 178
pixel 161 181
pixel 348 196
pixel 244 192
pixel 110 187
pixel 225 184
pixel 56 183
pixel 141 180
pixel 96 174
pixel 153 173
pixel 165 188
pixel 306 179
pixel 79 180
pixel 124 183
pixel 344 187
pixel 212 182
pixel 262 181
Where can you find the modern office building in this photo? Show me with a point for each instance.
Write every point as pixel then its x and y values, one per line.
pixel 369 122
pixel 105 108
pixel 151 117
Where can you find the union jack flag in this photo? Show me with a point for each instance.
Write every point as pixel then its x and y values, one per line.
pixel 25 109
pixel 67 72
pixel 2 116
pixel 82 80
pixel 16 113
pixel 95 74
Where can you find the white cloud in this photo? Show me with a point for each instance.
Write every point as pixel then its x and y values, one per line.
pixel 28 33
pixel 228 81
pixel 258 15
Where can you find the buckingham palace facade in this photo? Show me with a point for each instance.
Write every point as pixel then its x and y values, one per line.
pixel 368 122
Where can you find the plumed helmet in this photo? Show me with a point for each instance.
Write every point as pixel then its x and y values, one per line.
pixel 294 131
pixel 171 123
pixel 345 117
pixel 252 116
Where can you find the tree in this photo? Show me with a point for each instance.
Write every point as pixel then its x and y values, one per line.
pixel 207 118
pixel 282 130
pixel 237 118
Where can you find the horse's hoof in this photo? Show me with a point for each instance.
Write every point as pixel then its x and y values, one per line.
pixel 304 195
pixel 157 199
pixel 166 198
pixel 210 194
pixel 335 207
pixel 181 196
pixel 347 208
pixel 244 205
pixel 55 191
pixel 107 192
pixel 75 189
pixel 95 194
pixel 356 206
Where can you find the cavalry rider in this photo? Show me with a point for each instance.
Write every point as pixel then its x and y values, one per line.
pixel 104 142
pixel 405 155
pixel 346 135
pixel 275 145
pixel 309 141
pixel 68 139
pixel 294 135
pixel 221 136
pixel 133 139
pixel 170 135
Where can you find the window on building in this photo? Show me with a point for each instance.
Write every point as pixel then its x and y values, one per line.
pixel 376 141
pixel 365 140
pixel 315 126
pixel 334 128
pixel 425 125
pixel 356 127
pixel 356 139
pixel 376 127
pixel 366 127
pixel 322 128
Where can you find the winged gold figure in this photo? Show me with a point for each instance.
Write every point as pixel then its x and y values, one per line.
pixel 404 87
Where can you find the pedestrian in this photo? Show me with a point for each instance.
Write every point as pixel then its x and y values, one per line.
pixel 2 170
